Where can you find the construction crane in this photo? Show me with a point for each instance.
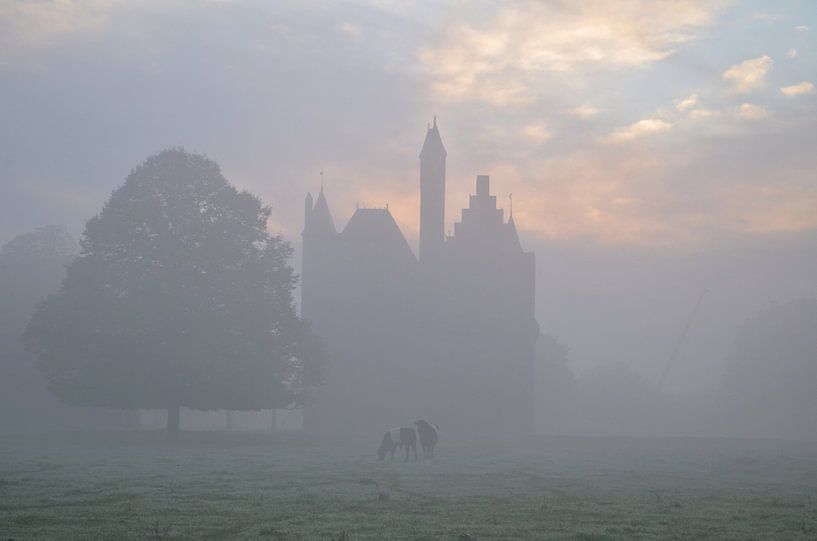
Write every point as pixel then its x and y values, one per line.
pixel 681 338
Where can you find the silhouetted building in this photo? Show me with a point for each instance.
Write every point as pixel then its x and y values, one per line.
pixel 449 337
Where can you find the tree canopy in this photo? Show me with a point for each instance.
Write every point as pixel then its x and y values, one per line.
pixel 770 384
pixel 32 265
pixel 179 297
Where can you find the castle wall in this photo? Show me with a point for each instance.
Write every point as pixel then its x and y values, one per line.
pixel 449 338
pixel 452 342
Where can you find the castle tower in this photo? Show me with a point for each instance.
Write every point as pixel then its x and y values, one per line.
pixel 318 237
pixel 450 337
pixel 432 194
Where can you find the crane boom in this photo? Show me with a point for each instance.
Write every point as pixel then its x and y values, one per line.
pixel 681 338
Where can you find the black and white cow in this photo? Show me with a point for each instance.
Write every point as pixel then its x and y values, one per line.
pixel 429 434
pixel 405 437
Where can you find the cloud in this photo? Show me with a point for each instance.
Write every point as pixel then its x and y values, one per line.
pixel 501 58
pixel 655 196
pixel 37 24
pixel 792 53
pixel 802 28
pixel 642 128
pixel 765 17
pixel 701 113
pixel 749 74
pixel 776 207
pixel 686 103
pixel 750 111
pixel 350 29
pixel 584 111
pixel 799 89
pixel 583 194
pixel 594 180
pixel 691 106
pixel 536 133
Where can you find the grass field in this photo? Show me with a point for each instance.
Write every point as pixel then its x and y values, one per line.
pixel 134 485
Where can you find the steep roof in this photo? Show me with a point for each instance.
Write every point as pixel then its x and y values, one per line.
pixel 514 235
pixel 374 230
pixel 320 219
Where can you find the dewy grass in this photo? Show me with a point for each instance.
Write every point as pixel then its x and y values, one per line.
pixel 255 486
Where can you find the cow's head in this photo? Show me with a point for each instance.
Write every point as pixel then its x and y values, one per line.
pixel 381 452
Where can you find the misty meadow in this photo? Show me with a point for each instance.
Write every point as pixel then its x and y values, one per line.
pixel 385 270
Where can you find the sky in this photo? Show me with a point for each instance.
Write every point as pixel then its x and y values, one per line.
pixel 652 147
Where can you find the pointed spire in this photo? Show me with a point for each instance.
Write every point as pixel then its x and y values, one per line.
pixel 320 219
pixel 433 143
pixel 514 235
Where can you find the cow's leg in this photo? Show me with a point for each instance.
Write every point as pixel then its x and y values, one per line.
pixel 414 447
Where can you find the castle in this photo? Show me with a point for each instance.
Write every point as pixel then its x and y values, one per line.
pixel 448 336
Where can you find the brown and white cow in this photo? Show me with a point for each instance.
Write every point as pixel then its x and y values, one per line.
pixel 429 434
pixel 405 437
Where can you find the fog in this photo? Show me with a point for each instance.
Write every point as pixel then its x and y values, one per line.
pixel 610 322
pixel 377 269
pixel 518 224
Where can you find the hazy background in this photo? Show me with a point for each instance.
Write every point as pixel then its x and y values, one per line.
pixel 653 148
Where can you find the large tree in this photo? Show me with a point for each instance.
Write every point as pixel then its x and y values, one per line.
pixel 180 297
pixel 32 266
pixel 770 382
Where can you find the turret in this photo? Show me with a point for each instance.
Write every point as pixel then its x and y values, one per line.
pixel 318 238
pixel 511 225
pixel 307 210
pixel 318 220
pixel 432 194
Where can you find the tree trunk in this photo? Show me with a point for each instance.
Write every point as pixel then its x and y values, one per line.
pixel 173 422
